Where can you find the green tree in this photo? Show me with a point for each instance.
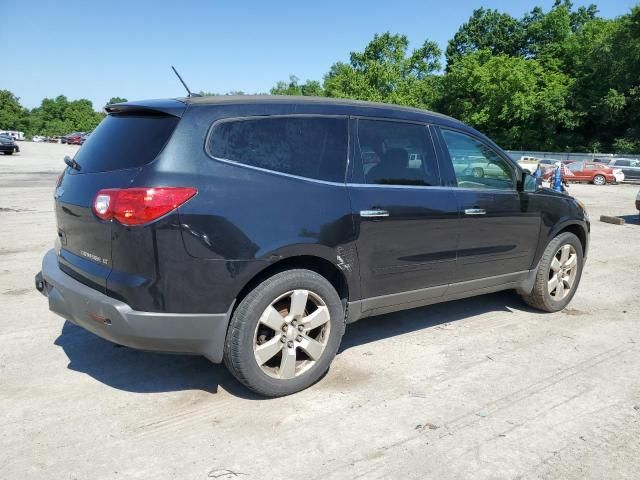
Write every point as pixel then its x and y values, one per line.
pixel 13 116
pixel 293 87
pixel 487 29
pixel 59 116
pixel 385 72
pixel 116 100
pixel 514 100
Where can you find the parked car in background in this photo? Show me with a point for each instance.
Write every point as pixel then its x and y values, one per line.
pixel 84 138
pixel 74 138
pixel 38 138
pixel 54 139
pixel 8 145
pixel 476 167
pixel 16 135
pixel 250 230
pixel 604 161
pixel 590 172
pixel 630 167
pixel 529 164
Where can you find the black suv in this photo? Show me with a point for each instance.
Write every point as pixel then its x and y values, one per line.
pixel 252 229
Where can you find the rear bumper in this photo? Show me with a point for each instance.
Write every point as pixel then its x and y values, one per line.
pixel 9 148
pixel 113 320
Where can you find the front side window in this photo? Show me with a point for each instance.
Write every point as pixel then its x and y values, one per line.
pixel 477 165
pixel 312 147
pixel 396 153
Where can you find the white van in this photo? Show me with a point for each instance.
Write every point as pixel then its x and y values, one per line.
pixel 13 133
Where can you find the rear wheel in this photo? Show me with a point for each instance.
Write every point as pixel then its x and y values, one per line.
pixel 558 274
pixel 599 180
pixel 285 333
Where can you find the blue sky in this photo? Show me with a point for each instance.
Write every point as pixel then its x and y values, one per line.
pixel 100 49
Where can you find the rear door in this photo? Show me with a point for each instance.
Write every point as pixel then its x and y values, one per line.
pixel 404 217
pixel 498 233
pixel 112 157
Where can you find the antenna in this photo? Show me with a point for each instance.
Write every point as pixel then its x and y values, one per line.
pixel 184 84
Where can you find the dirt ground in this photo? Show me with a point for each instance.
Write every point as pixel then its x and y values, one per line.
pixel 480 388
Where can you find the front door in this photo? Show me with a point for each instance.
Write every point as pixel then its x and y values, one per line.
pixel 405 219
pixel 498 232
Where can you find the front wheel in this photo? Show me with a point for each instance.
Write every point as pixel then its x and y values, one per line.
pixel 599 180
pixel 285 333
pixel 558 274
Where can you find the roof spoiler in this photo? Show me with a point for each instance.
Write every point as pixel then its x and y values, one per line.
pixel 171 107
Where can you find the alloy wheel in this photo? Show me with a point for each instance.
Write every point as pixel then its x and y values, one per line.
pixel 562 272
pixel 291 334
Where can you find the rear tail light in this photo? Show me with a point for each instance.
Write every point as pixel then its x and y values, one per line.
pixel 137 206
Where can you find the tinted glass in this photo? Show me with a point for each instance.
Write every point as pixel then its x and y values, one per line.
pixel 125 141
pixel 477 165
pixel 396 153
pixel 622 163
pixel 313 147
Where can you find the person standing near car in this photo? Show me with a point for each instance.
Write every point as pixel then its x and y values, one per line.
pixel 560 178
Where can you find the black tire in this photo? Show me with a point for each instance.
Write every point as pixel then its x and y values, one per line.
pixel 239 345
pixel 599 180
pixel 539 297
pixel 8 153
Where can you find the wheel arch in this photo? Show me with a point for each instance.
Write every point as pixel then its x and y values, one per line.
pixel 317 264
pixel 577 229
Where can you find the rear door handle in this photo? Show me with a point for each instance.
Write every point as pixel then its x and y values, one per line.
pixel 475 211
pixel 374 213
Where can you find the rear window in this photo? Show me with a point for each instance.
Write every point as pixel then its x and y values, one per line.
pixel 312 147
pixel 125 141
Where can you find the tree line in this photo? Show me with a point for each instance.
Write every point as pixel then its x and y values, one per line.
pixel 54 116
pixel 564 79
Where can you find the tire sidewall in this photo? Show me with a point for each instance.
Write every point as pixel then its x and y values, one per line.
pixel 246 318
pixel 554 245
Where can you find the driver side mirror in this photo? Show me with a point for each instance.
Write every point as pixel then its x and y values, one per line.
pixel 529 183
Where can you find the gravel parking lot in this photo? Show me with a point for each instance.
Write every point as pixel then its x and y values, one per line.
pixel 480 388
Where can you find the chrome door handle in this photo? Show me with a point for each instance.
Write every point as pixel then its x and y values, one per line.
pixel 374 213
pixel 475 211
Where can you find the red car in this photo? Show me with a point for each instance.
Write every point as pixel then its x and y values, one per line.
pixel 75 138
pixel 590 172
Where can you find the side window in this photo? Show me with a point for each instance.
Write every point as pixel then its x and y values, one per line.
pixel 476 165
pixel 313 147
pixel 396 153
pixel 622 163
pixel 575 166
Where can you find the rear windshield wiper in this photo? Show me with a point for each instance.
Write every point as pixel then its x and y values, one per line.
pixel 72 163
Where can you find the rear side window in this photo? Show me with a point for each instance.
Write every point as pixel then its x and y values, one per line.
pixel 312 147
pixel 396 153
pixel 125 141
